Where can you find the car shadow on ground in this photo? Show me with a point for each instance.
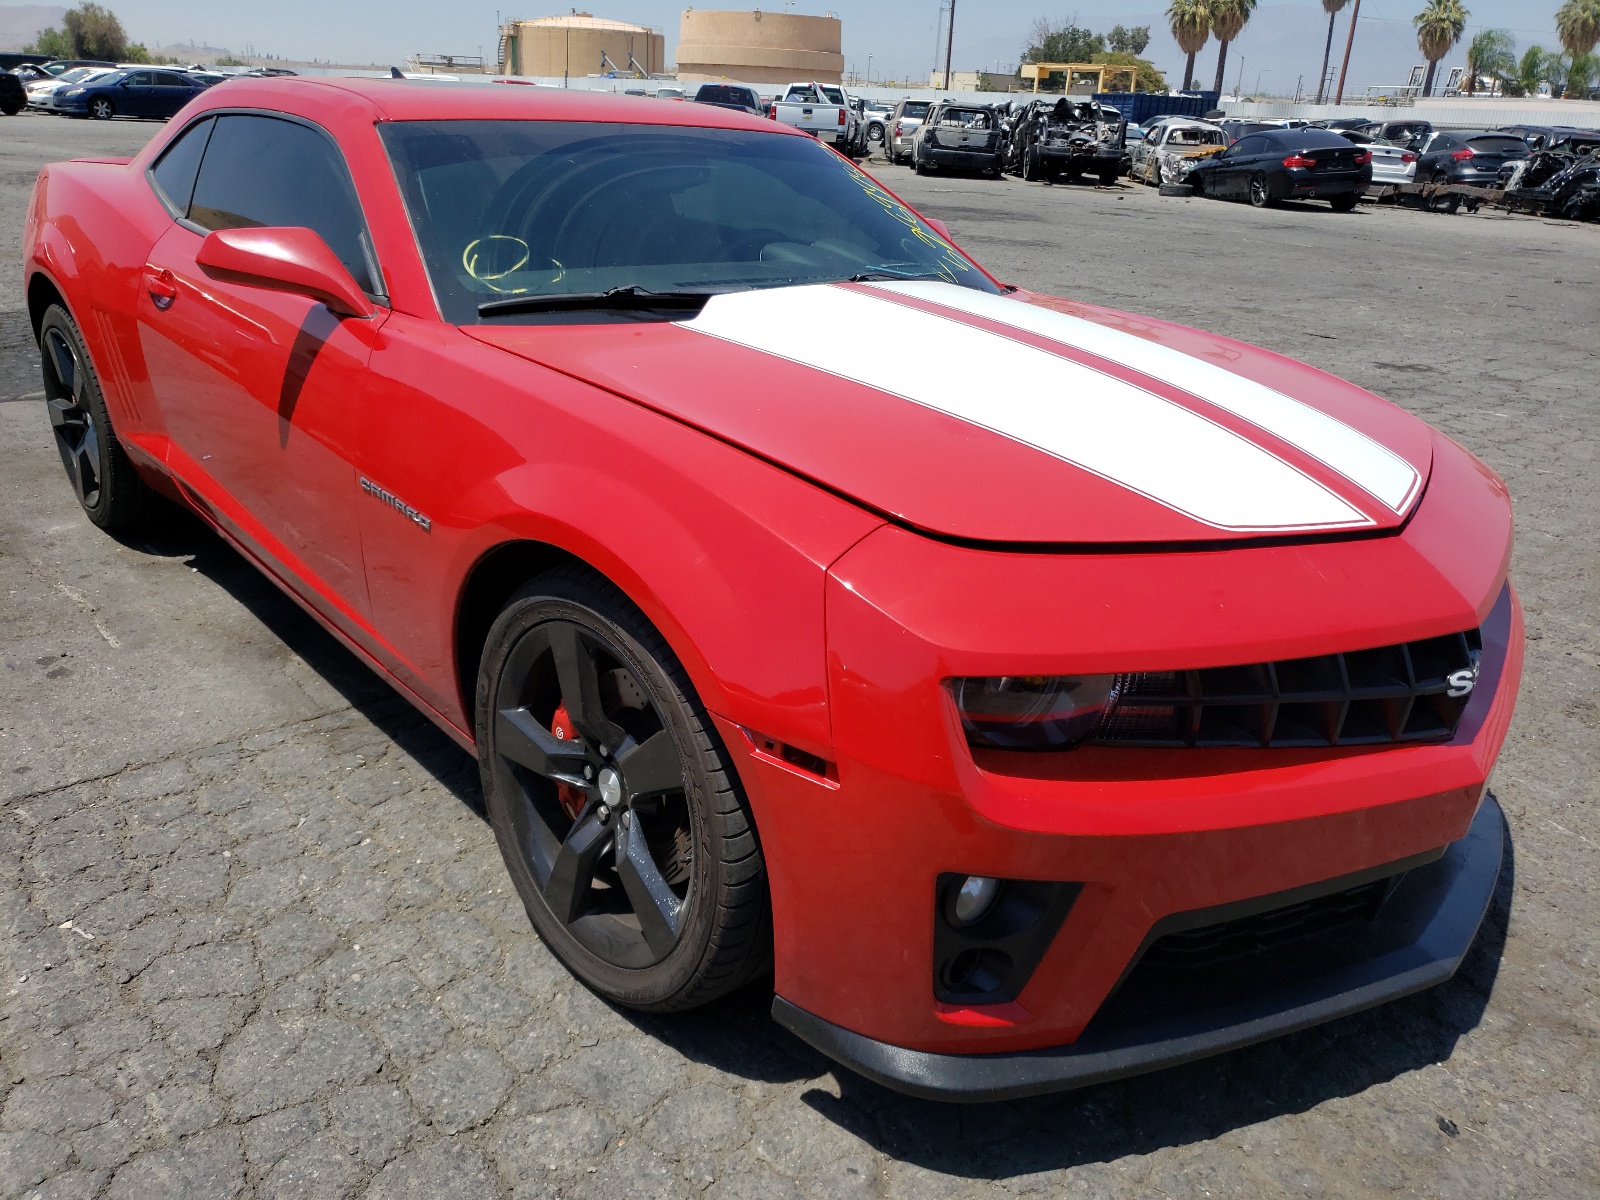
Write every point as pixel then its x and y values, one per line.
pixel 737 1035
pixel 180 534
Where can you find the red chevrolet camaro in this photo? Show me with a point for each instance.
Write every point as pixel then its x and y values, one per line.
pixel 1063 695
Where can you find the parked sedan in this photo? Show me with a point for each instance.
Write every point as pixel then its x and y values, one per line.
pixel 1290 164
pixel 135 93
pixel 1391 164
pixel 1023 736
pixel 50 99
pixel 1468 156
pixel 41 89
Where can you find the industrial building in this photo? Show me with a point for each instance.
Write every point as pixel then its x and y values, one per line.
pixel 579 45
pixel 759 47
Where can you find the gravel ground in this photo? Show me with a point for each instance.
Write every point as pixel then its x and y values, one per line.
pixel 257 938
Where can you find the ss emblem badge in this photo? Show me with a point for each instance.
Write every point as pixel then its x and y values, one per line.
pixel 1463 681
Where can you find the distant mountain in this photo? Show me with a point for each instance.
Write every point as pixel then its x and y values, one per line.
pixel 21 23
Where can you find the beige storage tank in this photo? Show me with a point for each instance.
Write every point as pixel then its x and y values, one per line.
pixel 759 47
pixel 579 45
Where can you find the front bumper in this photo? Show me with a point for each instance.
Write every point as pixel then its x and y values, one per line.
pixel 1163 1018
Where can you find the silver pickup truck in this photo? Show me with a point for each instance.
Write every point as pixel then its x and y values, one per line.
pixel 824 111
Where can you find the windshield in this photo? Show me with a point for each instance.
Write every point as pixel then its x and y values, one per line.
pixel 546 208
pixel 77 74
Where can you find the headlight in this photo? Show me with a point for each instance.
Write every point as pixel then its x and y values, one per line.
pixel 1032 712
pixel 71 92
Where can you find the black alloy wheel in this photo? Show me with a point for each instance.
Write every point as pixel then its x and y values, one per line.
pixel 614 806
pixel 100 109
pixel 109 490
pixel 1260 191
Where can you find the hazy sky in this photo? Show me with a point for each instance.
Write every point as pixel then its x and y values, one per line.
pixel 898 34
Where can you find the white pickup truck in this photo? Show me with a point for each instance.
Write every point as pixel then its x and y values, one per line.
pixel 824 111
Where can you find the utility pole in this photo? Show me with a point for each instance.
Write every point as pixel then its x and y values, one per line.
pixel 949 41
pixel 1338 97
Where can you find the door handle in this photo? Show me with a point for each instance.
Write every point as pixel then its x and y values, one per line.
pixel 162 286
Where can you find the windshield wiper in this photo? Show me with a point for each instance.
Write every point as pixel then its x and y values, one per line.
pixel 890 273
pixel 626 298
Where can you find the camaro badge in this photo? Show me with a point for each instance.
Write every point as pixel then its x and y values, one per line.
pixel 405 510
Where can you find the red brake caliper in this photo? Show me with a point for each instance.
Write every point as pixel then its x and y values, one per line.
pixel 572 799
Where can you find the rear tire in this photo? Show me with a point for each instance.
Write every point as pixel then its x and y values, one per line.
pixel 108 488
pixel 1344 204
pixel 1260 191
pixel 1032 165
pixel 1109 178
pixel 646 881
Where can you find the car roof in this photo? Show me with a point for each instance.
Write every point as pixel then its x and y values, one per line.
pixel 407 100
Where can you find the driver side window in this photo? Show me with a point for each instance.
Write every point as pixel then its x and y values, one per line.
pixel 266 171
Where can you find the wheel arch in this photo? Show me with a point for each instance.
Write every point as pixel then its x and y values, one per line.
pixel 42 293
pixel 488 584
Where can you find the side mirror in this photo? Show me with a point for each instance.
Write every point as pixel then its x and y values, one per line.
pixel 940 228
pixel 284 259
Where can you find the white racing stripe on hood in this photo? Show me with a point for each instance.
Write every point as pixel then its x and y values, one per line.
pixel 1093 420
pixel 1372 467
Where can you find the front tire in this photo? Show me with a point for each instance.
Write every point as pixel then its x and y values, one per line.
pixel 108 488
pixel 614 804
pixel 100 109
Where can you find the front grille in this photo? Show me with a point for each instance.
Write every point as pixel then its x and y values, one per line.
pixel 1267 932
pixel 1401 693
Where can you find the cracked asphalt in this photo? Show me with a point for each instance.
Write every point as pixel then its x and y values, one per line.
pixel 258 940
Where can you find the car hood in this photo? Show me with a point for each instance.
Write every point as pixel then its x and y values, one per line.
pixel 1015 419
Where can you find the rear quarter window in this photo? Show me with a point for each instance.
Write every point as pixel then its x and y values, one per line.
pixel 175 171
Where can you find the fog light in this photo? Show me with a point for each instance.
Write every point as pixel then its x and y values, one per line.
pixel 976 897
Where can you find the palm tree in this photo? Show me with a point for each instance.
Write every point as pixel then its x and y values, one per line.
pixel 1439 28
pixel 1228 19
pixel 1190 22
pixel 1578 27
pixel 1331 7
pixel 1492 53
pixel 1533 68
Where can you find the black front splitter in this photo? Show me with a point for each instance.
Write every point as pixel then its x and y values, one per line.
pixel 1419 940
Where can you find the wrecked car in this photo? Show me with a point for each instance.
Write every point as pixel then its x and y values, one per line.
pixel 1173 148
pixel 1067 138
pixel 1563 181
pixel 958 137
